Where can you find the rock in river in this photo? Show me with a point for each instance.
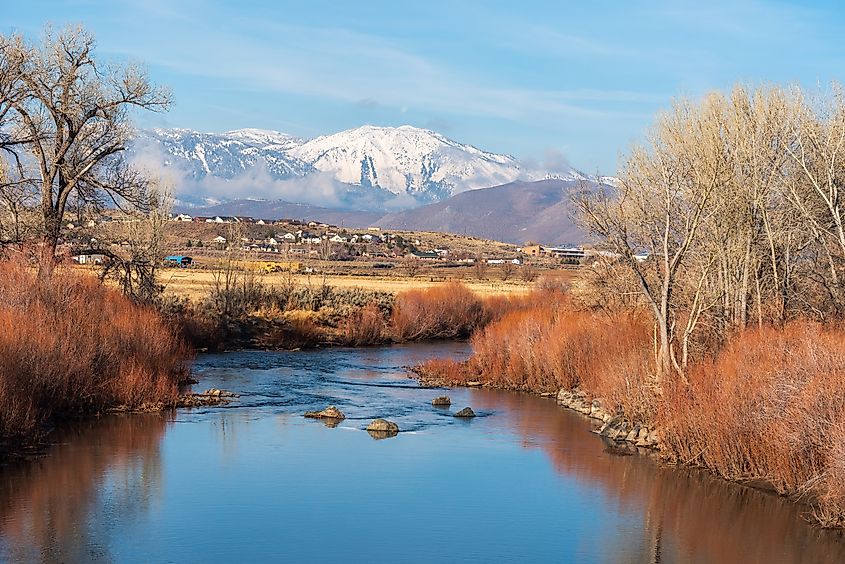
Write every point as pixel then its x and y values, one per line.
pixel 383 425
pixel 331 412
pixel 442 401
pixel 465 412
pixel 382 429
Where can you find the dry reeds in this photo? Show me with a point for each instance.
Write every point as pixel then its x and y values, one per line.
pixel 770 407
pixel 542 345
pixel 450 311
pixel 68 345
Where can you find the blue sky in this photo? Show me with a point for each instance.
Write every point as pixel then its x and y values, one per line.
pixel 539 80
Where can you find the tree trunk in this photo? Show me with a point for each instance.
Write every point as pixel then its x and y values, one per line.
pixel 49 243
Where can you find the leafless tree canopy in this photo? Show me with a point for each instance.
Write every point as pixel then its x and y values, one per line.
pixel 64 122
pixel 730 214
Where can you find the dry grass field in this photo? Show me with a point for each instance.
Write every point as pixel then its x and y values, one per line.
pixel 196 283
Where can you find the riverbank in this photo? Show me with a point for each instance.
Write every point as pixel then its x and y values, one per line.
pixel 766 408
pixel 70 347
pixel 257 316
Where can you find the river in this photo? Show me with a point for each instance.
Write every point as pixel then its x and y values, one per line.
pixel 254 481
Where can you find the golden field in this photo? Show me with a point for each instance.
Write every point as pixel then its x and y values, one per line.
pixel 196 283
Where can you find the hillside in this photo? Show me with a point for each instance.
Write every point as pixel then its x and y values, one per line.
pixel 516 213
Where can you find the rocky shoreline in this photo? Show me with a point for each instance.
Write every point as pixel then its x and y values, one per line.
pixel 615 425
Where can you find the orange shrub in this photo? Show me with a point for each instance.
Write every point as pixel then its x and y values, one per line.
pixel 543 345
pixel 365 326
pixel 450 311
pixel 71 346
pixel 769 407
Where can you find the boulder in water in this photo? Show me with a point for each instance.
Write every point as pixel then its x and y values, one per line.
pixel 382 429
pixel 331 412
pixel 442 401
pixel 465 412
pixel 383 425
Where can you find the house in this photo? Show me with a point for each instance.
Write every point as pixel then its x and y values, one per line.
pixel 260 222
pixel 533 250
pixel 220 239
pixel 566 253
pixel 495 261
pixel 289 237
pixel 183 217
pixel 222 219
pixel 423 255
pixel 337 239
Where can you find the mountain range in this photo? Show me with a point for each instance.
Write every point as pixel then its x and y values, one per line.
pixel 369 167
pixel 393 177
pixel 517 212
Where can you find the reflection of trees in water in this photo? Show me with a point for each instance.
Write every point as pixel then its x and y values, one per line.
pixel 689 516
pixel 64 506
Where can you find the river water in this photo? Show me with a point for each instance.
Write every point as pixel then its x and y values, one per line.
pixel 255 481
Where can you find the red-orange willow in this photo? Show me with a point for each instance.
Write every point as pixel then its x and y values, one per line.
pixel 69 345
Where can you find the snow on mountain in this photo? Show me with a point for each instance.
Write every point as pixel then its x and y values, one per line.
pixel 406 164
pixel 407 160
pixel 223 155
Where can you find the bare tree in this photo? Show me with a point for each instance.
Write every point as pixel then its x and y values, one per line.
pixel 508 269
pixel 70 117
pixel 528 272
pixel 818 192
pixel 480 266
pixel 412 265
pixel 665 194
pixel 135 266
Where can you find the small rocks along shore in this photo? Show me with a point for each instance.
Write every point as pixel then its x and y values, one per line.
pixel 615 425
pixel 210 397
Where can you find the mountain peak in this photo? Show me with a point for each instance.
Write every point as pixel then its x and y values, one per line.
pixel 406 164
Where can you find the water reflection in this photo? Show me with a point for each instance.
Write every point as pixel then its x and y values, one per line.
pixel 689 516
pixel 61 508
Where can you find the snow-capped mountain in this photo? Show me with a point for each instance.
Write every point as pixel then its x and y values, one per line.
pixel 405 165
pixel 223 155
pixel 409 160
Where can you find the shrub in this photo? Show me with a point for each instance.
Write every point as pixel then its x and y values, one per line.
pixel 365 326
pixel 542 345
pixel 769 407
pixel 450 311
pixel 69 345
pixel 294 330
